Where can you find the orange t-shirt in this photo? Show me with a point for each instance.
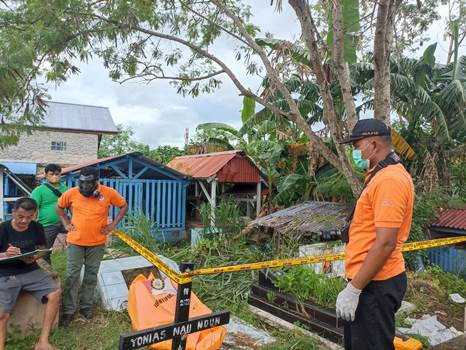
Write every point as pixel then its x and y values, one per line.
pixel 89 214
pixel 386 202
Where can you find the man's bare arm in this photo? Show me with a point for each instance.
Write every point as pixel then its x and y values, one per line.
pixel 64 218
pixel 110 227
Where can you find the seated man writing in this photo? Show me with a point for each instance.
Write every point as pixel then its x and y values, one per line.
pixel 18 236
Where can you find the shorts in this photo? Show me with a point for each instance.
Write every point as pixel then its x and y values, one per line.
pixel 37 282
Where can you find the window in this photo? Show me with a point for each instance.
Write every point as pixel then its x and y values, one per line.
pixel 58 146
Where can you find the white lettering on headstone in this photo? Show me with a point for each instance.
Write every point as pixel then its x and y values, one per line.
pixel 150 338
pixel 208 323
pixel 180 330
pixel 184 302
pixel 147 338
pixel 186 291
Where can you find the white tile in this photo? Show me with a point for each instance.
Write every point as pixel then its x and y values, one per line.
pixel 111 278
pixel 115 291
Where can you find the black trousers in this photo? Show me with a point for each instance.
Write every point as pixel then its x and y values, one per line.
pixel 51 232
pixel 374 324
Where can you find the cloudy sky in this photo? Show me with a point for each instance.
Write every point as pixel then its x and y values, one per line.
pixel 157 114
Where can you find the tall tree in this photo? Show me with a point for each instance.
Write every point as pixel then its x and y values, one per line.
pixel 173 40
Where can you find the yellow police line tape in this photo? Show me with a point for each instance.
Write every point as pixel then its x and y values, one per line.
pixel 187 276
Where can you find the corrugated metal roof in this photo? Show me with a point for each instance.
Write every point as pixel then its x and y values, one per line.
pixel 451 218
pixel 89 163
pixel 69 116
pixel 229 166
pixel 138 155
pixel 20 168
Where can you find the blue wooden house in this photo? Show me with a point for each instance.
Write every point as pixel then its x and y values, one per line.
pixel 16 180
pixel 149 187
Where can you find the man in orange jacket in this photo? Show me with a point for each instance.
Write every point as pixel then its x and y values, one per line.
pixel 87 233
pixel 378 228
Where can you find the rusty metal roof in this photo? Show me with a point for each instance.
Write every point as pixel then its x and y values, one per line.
pixel 230 166
pixel 451 218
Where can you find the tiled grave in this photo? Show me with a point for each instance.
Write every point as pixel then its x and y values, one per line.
pixel 334 268
pixel 111 284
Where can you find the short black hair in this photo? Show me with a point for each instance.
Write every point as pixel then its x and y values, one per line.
pixel 25 203
pixel 52 168
pixel 89 170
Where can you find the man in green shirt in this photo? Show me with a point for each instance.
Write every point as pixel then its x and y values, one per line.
pixel 46 196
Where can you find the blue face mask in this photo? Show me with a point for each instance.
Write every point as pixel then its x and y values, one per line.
pixel 360 163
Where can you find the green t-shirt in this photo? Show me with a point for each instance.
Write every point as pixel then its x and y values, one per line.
pixel 47 200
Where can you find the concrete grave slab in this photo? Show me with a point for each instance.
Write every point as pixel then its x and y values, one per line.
pixel 111 284
pixel 242 335
pixel 431 328
pixel 333 268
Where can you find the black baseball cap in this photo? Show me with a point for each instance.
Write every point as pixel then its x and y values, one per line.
pixel 366 128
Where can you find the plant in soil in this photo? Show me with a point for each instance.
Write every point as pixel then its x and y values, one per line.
pixel 307 285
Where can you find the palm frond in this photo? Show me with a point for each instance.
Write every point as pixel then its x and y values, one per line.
pixel 213 141
pixel 402 146
pixel 218 126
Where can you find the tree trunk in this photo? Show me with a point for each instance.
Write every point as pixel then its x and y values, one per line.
pixel 309 35
pixel 342 66
pixel 382 45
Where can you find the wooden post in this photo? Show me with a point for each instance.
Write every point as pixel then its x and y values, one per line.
pixel 464 322
pixel 213 201
pixel 182 325
pixel 258 198
pixel 183 298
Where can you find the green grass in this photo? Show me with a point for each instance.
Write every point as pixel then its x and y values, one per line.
pixel 220 292
pixel 102 333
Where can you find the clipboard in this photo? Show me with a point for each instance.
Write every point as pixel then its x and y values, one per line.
pixel 17 257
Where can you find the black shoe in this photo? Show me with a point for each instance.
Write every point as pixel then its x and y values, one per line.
pixel 87 313
pixel 66 319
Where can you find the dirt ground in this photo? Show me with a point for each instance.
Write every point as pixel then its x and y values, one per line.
pixel 431 299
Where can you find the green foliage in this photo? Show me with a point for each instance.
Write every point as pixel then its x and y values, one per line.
pixel 100 333
pixel 227 218
pixel 332 185
pixel 150 40
pixel 351 27
pixel 220 135
pixel 458 172
pixel 142 228
pixel 448 282
pixel 424 340
pixel 113 145
pixel 307 285
pixel 291 341
pixel 293 187
pixel 412 24
pixel 161 154
pixel 249 107
pixel 223 291
pixel 123 142
pixel 425 211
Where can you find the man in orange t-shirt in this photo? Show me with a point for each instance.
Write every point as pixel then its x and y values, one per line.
pixel 87 233
pixel 380 225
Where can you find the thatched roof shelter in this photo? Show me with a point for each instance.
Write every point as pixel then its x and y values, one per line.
pixel 307 219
